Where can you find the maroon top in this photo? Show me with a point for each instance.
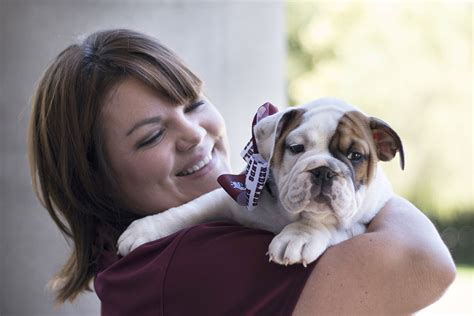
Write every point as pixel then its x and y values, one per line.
pixel 210 269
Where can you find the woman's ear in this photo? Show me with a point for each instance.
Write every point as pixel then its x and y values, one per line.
pixel 387 141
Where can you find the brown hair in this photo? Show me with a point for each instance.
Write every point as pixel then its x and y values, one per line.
pixel 67 163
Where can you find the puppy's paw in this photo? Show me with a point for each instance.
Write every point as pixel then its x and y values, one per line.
pixel 139 232
pixel 298 243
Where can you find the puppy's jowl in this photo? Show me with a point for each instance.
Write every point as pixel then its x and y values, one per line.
pixel 325 184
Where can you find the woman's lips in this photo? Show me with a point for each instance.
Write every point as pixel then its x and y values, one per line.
pixel 196 167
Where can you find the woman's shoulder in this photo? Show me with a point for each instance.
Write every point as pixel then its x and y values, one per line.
pixel 215 268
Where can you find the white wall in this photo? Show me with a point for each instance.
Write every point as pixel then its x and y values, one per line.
pixel 237 47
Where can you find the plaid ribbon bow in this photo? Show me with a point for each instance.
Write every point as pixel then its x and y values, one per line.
pixel 246 188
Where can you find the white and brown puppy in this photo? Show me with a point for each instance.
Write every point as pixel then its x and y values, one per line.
pixel 325 187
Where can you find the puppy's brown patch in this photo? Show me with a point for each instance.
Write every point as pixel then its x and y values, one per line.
pixel 287 123
pixel 353 133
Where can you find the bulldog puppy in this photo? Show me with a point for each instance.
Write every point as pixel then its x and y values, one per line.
pixel 325 187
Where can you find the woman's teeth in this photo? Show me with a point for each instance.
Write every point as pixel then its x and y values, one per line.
pixel 201 164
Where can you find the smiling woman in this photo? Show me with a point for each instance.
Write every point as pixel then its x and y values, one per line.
pixel 93 167
pixel 189 142
pixel 120 129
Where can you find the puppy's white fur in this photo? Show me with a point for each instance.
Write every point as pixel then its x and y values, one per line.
pixel 305 226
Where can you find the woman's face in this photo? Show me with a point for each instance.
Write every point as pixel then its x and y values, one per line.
pixel 162 155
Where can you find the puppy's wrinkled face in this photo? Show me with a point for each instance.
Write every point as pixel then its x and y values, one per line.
pixel 324 155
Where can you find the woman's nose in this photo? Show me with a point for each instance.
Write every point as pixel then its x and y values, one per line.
pixel 190 134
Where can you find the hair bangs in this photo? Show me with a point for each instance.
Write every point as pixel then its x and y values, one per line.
pixel 174 82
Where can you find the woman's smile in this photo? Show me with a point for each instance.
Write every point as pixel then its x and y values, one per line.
pixel 199 166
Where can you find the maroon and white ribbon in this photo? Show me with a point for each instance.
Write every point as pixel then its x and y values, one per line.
pixel 246 188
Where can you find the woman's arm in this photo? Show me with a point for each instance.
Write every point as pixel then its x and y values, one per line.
pixel 398 267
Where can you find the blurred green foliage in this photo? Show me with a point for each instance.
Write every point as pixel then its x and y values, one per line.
pixel 458 234
pixel 411 64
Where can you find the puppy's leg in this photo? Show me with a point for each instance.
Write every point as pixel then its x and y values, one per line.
pixel 300 242
pixel 210 206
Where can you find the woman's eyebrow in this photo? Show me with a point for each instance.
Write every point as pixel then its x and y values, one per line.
pixel 149 120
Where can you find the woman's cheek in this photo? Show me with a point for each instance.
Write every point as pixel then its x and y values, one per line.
pixel 217 123
pixel 153 164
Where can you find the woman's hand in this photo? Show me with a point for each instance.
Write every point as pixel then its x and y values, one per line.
pixel 398 267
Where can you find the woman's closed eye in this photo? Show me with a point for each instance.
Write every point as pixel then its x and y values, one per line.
pixel 194 106
pixel 152 140
pixel 158 136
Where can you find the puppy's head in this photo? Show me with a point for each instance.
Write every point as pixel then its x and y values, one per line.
pixel 324 155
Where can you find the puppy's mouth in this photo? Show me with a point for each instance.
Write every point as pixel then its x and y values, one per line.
pixel 322 195
pixel 323 199
pixel 196 167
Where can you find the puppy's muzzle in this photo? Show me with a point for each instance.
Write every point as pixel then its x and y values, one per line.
pixel 322 176
pixel 322 179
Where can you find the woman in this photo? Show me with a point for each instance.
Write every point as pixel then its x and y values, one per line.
pixel 120 129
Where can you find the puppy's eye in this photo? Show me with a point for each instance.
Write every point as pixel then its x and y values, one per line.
pixel 354 156
pixel 296 148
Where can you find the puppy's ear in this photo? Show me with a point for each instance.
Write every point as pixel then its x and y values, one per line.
pixel 271 129
pixel 386 140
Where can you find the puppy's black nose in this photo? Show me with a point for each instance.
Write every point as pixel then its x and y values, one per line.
pixel 322 176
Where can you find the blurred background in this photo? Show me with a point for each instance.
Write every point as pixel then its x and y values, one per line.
pixel 409 63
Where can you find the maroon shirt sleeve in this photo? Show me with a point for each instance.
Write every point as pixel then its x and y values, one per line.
pixel 210 269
